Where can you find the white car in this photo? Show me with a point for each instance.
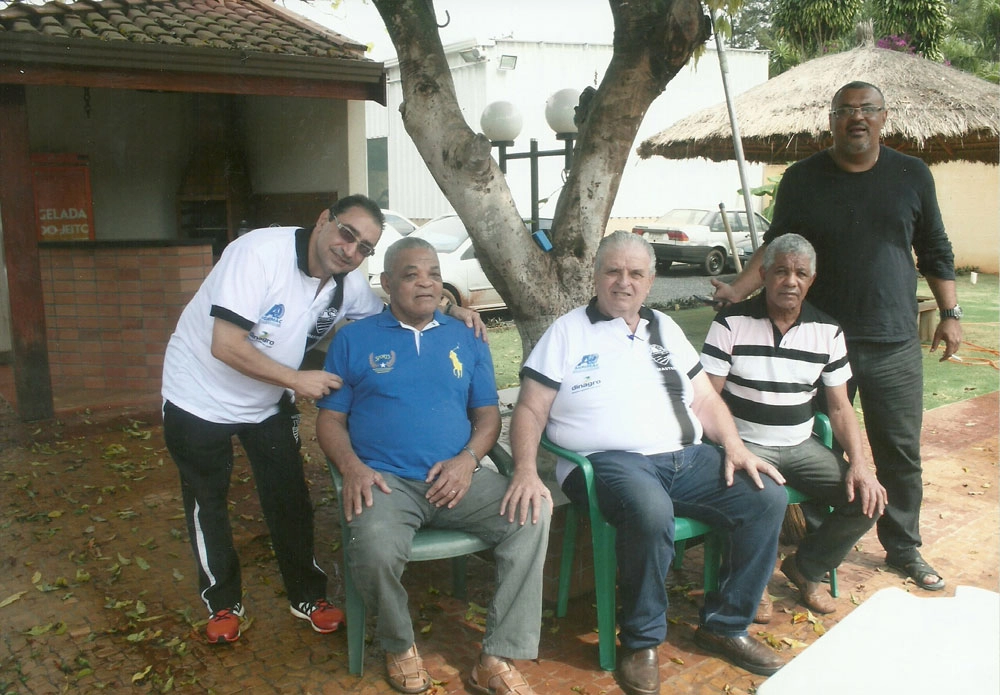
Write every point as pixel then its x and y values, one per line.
pixel 465 283
pixel 699 237
pixel 400 223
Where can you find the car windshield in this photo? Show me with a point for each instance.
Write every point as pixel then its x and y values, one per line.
pixel 685 216
pixel 445 233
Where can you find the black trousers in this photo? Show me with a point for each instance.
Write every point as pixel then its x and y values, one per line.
pixel 203 453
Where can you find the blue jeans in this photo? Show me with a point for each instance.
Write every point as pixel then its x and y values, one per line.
pixel 640 495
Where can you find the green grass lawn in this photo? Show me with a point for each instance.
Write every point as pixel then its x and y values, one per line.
pixel 944 382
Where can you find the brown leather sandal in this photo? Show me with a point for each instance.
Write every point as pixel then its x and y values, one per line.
pixel 406 673
pixel 499 679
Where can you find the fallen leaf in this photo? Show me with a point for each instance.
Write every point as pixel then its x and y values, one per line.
pixel 678 660
pixel 143 565
pixel 794 643
pixel 39 630
pixel 426 629
pixel 136 677
pixel 10 599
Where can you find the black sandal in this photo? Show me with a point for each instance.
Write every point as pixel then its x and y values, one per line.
pixel 919 571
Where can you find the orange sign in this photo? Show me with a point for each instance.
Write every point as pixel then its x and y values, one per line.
pixel 63 209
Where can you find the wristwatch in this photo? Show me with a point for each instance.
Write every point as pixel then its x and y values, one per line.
pixel 954 313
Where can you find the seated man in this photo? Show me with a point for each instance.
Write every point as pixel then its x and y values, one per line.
pixel 417 410
pixel 621 384
pixel 766 356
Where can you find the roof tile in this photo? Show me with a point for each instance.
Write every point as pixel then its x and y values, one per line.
pixel 236 25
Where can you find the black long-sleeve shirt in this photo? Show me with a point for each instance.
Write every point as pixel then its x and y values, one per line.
pixel 865 228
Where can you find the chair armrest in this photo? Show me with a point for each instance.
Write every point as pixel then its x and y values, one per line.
pixel 822 430
pixel 502 459
pixel 588 474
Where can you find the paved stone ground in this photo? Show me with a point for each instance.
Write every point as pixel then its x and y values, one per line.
pixel 97 584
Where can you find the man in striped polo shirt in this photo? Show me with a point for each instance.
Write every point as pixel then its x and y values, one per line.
pixel 766 356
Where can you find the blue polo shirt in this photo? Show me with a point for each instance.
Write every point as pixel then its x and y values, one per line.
pixel 407 405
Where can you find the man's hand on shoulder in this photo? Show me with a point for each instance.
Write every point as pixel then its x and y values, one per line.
pixel 316 383
pixel 470 318
pixel 525 493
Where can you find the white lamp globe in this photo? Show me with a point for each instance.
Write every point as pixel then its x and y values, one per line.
pixel 501 121
pixel 559 110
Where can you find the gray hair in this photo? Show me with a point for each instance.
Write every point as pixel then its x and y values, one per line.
pixel 790 245
pixel 407 242
pixel 621 240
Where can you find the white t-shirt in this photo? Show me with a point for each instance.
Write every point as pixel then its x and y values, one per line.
pixel 261 283
pixel 616 391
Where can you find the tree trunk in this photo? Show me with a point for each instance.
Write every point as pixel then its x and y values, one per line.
pixel 653 40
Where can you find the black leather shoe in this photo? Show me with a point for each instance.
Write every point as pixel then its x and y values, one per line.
pixel 745 651
pixel 638 671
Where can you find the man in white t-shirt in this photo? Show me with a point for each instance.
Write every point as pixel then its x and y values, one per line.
pixel 620 384
pixel 232 368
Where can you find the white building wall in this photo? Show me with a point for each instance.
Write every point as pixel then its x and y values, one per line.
pixel 649 187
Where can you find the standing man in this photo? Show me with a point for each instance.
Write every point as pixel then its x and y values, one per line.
pixel 231 368
pixel 416 412
pixel 766 356
pixel 620 384
pixel 866 209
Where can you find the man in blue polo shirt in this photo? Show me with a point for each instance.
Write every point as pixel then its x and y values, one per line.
pixel 416 412
pixel 766 356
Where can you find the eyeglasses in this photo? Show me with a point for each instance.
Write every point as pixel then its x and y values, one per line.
pixel 868 111
pixel 349 236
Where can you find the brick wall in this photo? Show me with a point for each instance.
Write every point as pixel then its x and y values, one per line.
pixel 110 309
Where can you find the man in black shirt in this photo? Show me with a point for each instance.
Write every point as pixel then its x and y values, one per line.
pixel 866 208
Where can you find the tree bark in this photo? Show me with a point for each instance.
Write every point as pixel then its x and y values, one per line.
pixel 653 40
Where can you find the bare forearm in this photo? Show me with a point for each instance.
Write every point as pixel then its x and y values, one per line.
pixel 943 291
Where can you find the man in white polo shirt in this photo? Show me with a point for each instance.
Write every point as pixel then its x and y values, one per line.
pixel 620 384
pixel 232 368
pixel 766 356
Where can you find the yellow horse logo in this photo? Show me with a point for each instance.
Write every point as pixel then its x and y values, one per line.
pixel 456 366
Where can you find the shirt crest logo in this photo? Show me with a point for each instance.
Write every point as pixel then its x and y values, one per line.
pixel 382 364
pixel 274 315
pixel 456 365
pixel 586 363
pixel 661 356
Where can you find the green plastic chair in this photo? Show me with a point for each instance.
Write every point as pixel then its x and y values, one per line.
pixel 428 544
pixel 605 561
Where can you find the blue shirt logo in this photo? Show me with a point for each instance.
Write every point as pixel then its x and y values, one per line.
pixel 587 362
pixel 273 315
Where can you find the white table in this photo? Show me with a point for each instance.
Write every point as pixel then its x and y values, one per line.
pixel 896 643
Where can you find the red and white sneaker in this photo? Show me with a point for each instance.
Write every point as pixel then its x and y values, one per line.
pixel 224 625
pixel 321 614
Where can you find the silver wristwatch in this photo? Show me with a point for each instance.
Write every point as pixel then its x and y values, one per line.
pixel 954 313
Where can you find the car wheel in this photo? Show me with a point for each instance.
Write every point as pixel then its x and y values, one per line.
pixel 663 266
pixel 715 261
pixel 449 295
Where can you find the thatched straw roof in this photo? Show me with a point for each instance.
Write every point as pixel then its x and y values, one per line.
pixel 936 112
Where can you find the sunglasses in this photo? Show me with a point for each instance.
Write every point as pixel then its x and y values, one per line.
pixel 349 236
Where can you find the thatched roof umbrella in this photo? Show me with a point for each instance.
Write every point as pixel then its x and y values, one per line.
pixel 936 112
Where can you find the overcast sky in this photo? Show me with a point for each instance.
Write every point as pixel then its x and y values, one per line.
pixel 577 21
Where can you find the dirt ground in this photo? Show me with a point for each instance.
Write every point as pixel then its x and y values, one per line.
pixel 98 587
